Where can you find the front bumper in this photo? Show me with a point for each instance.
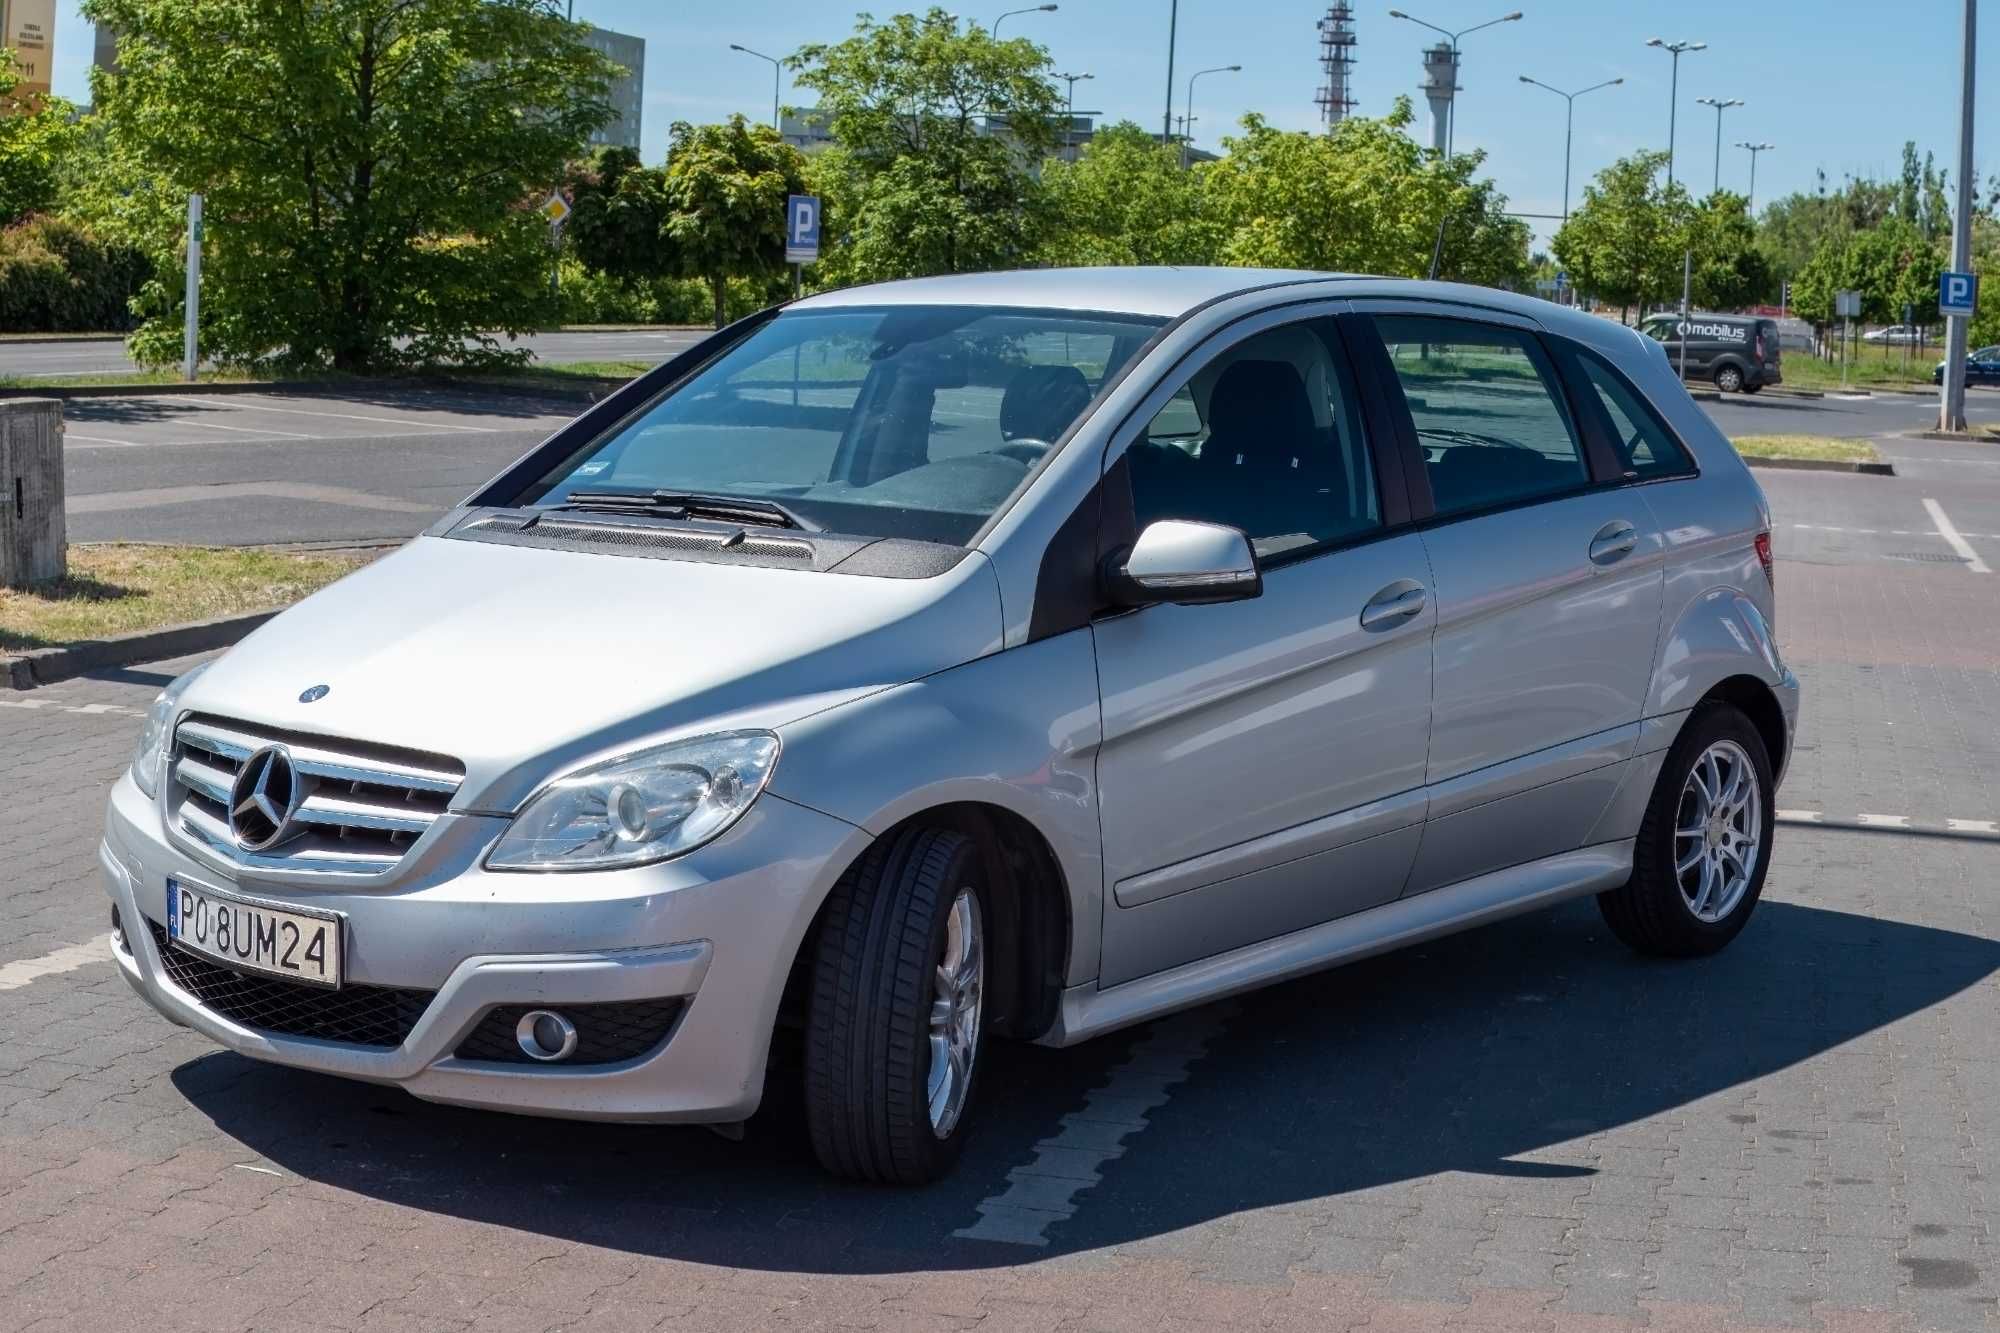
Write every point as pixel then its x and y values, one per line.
pixel 718 928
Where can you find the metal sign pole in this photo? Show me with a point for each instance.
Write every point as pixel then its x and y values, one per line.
pixel 190 339
pixel 1687 285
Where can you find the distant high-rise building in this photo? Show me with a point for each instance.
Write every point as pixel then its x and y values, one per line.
pixel 29 27
pixel 1336 58
pixel 104 48
pixel 628 90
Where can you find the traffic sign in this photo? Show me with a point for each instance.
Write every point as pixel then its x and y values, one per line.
pixel 1847 305
pixel 1958 293
pixel 801 228
pixel 556 209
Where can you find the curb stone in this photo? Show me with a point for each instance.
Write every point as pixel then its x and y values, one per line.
pixel 46 666
pixel 1824 465
pixel 583 391
pixel 1950 437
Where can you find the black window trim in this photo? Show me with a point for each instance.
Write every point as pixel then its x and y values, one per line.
pixel 1569 357
pixel 1423 504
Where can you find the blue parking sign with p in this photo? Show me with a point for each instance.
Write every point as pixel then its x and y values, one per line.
pixel 801 229
pixel 1958 293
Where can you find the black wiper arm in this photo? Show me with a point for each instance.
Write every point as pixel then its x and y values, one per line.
pixel 692 504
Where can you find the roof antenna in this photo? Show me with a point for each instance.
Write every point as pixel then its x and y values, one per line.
pixel 1437 250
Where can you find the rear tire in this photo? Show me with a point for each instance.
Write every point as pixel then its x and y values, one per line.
pixel 1752 388
pixel 896 1022
pixel 1729 379
pixel 1705 844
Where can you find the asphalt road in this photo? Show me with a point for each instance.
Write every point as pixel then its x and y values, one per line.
pixel 107 356
pixel 1522 1128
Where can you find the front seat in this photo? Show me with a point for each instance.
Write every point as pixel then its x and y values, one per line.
pixel 1041 402
pixel 1260 459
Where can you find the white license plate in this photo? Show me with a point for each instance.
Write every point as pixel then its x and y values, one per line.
pixel 298 943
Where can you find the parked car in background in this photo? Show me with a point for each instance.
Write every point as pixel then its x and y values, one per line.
pixel 1737 353
pixel 1021 655
pixel 1896 335
pixel 1981 367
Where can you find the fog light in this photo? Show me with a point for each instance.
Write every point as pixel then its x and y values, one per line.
pixel 118 933
pixel 544 1034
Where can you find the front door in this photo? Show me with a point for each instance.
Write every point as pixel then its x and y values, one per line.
pixel 1549 585
pixel 1263 761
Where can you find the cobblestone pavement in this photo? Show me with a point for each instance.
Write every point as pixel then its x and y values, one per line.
pixel 1525 1127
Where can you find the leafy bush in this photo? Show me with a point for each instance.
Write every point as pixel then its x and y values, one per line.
pixel 58 277
pixel 593 297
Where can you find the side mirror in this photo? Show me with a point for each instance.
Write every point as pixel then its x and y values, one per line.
pixel 1179 560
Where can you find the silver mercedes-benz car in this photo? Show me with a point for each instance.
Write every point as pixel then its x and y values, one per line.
pixel 1020 655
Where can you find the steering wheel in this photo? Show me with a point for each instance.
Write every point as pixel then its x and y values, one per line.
pixel 1025 449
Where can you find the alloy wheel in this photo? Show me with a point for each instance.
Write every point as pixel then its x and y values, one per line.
pixel 1718 831
pixel 955 1004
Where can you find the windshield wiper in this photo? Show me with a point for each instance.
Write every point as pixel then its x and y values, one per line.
pixel 691 504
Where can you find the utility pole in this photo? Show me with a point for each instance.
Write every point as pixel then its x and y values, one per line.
pixel 777 76
pixel 1754 149
pixel 1721 104
pixel 1674 49
pixel 1951 405
pixel 1173 22
pixel 190 339
pixel 1569 124
pixel 1189 120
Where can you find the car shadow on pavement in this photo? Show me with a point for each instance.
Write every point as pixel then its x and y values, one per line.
pixel 1498 1053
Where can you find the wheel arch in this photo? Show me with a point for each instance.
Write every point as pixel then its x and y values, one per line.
pixel 1759 702
pixel 1032 918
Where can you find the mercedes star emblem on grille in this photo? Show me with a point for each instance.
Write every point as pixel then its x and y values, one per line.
pixel 264 798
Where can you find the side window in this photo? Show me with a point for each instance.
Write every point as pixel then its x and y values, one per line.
pixel 1264 437
pixel 1489 418
pixel 1643 444
pixel 1660 330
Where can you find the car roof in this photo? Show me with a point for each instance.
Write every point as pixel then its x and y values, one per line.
pixel 1166 292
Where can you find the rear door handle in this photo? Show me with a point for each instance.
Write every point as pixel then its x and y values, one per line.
pixel 1394 604
pixel 1613 542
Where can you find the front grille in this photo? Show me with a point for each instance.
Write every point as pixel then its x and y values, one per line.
pixel 358 807
pixel 605 1033
pixel 379 1016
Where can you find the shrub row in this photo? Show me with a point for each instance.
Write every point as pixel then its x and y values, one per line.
pixel 57 277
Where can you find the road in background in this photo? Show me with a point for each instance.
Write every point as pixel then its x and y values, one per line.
pixel 58 356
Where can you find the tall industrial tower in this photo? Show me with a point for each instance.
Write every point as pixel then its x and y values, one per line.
pixel 1336 57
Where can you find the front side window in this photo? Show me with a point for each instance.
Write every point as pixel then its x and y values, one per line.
pixel 1488 416
pixel 1642 442
pixel 1263 437
pixel 914 421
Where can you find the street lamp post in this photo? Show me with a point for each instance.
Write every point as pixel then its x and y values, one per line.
pixel 1069 111
pixel 1675 49
pixel 1721 104
pixel 1213 69
pixel 1754 149
pixel 1451 123
pixel 1569 124
pixel 1173 23
pixel 994 31
pixel 777 71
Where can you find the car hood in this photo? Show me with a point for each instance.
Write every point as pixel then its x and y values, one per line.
pixel 523 663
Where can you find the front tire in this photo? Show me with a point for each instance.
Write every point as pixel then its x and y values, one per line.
pixel 896 1022
pixel 1704 846
pixel 1729 379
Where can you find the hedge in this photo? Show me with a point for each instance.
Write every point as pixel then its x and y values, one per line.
pixel 58 277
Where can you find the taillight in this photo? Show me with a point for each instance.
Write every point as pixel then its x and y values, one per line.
pixel 1764 558
pixel 1760 347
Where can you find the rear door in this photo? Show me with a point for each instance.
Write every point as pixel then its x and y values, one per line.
pixel 1548 591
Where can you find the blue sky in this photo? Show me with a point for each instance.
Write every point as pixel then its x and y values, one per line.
pixel 1837 84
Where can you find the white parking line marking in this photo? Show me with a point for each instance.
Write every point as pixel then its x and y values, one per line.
pixel 1883 821
pixel 1044 1192
pixel 1972 825
pixel 345 416
pixel 69 434
pixel 1798 816
pixel 253 430
pixel 1955 538
pixel 66 959
pixel 95 710
pixel 1890 532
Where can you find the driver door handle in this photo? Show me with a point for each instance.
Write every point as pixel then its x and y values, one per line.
pixel 1394 604
pixel 1613 542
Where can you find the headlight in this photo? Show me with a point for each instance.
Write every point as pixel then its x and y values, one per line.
pixel 643 807
pixel 148 759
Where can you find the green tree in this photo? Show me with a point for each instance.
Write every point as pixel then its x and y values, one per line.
pixel 35 138
pixel 621 211
pixel 724 189
pixel 937 131
pixel 1624 243
pixel 1891 265
pixel 366 166
pixel 1364 199
pixel 1126 200
pixel 1729 269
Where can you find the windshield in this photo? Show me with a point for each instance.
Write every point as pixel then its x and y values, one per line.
pixel 909 421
